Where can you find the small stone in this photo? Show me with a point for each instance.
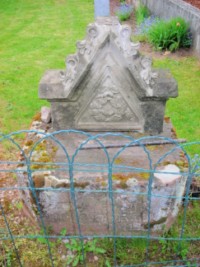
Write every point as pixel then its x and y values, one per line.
pixel 46 114
pixel 96 258
pixel 132 182
pixel 166 53
pixel 116 182
pixel 36 123
pixel 169 174
pixel 41 173
pixel 40 135
pixel 25 148
pixel 70 254
pixel 52 181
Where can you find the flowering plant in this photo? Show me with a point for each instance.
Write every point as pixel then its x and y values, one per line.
pixel 123 12
pixel 147 23
pixel 172 34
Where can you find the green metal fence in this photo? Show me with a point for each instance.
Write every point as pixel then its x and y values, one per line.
pixel 176 246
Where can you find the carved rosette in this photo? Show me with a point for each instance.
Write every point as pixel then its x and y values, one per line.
pixel 109 106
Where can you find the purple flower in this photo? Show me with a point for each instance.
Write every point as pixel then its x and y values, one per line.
pixel 124 11
pixel 146 25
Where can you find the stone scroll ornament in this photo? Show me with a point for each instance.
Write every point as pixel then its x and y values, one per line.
pixel 107 85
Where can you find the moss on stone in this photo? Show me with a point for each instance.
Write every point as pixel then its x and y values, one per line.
pixel 142 175
pixel 152 223
pixel 28 143
pixel 122 185
pixel 37 117
pixel 121 177
pixel 118 160
pixel 39 181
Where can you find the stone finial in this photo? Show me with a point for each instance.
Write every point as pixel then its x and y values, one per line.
pixel 107 84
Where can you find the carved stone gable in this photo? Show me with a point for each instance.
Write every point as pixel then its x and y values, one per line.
pixel 107 108
pixel 107 84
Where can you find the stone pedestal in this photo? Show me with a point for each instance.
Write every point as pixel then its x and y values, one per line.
pixel 72 177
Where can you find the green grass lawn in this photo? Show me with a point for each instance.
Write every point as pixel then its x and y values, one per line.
pixel 35 36
pixel 185 109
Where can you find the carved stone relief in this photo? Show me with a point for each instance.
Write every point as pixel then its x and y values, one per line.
pixel 147 75
pixel 107 106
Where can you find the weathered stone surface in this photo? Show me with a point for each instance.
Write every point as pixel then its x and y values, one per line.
pixel 168 175
pixel 130 189
pixel 46 114
pixel 108 85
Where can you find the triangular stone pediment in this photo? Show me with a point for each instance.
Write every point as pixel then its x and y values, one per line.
pixel 108 108
pixel 107 95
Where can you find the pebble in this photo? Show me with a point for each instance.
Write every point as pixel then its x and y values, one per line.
pixel 132 182
pixel 96 258
pixel 46 114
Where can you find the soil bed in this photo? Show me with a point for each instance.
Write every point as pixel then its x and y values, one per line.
pixel 114 3
pixel 195 3
pixel 145 47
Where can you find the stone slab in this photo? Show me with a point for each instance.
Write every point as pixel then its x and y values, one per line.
pixel 92 197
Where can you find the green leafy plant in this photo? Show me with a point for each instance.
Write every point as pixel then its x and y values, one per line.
pixel 79 250
pixel 107 263
pixel 6 255
pixel 170 247
pixel 171 35
pixel 43 239
pixel 19 205
pixel 141 13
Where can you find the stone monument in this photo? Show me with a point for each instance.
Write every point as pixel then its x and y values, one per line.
pixel 108 85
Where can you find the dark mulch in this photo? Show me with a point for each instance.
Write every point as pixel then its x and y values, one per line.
pixel 113 5
pixel 195 3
